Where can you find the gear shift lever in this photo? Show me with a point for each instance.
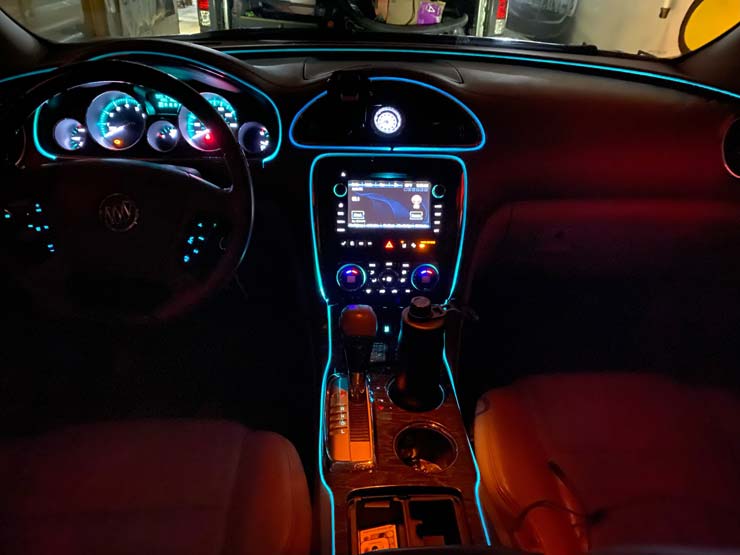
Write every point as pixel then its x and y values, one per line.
pixel 350 423
pixel 359 326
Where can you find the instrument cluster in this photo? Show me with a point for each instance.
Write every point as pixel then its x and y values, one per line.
pixel 110 119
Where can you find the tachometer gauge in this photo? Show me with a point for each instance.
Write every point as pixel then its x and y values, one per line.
pixel 196 133
pixel 70 134
pixel 116 120
pixel 162 136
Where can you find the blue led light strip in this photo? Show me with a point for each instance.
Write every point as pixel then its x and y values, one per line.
pixel 490 56
pixel 322 423
pixel 36 141
pixel 28 74
pixel 472 454
pixel 392 148
pixel 322 292
pixel 446 53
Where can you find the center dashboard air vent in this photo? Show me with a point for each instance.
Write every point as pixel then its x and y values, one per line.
pixel 732 148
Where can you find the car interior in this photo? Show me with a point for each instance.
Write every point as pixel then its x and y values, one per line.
pixel 333 293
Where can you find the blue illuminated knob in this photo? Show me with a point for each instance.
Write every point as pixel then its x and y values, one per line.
pixel 351 277
pixel 425 277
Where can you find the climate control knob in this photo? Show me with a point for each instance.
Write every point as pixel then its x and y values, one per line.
pixel 351 277
pixel 425 277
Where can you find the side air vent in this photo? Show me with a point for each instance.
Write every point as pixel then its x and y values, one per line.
pixel 732 148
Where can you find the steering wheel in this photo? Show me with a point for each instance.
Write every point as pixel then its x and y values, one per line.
pixel 124 231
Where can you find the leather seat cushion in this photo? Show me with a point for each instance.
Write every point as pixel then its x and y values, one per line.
pixel 165 487
pixel 652 461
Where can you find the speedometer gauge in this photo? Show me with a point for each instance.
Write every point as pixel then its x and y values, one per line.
pixel 196 133
pixel 116 120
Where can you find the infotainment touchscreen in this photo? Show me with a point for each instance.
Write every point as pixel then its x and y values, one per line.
pixel 388 204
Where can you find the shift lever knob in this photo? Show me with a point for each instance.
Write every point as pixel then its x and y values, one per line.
pixel 359 326
pixel 358 320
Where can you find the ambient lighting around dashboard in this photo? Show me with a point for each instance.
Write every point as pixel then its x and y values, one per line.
pixel 488 56
pixel 391 148
pixel 36 142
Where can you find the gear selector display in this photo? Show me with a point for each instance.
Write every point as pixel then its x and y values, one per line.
pixel 393 204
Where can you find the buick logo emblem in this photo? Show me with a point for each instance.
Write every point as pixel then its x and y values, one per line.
pixel 118 212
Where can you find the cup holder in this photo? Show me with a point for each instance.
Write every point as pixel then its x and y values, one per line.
pixel 426 448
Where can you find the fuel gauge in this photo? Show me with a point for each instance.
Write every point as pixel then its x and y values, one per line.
pixel 70 134
pixel 162 136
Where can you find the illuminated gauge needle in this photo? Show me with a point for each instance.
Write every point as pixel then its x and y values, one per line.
pixel 204 135
pixel 115 130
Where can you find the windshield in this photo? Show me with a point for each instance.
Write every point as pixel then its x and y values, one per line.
pixel 660 28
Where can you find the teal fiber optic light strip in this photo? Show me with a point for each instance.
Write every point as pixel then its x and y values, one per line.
pixel 500 57
pixel 36 141
pixel 472 455
pixel 393 148
pixel 28 74
pixel 322 293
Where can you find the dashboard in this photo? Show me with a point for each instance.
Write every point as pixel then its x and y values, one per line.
pixel 489 130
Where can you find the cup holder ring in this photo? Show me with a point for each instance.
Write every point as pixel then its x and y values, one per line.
pixel 426 447
pixel 431 404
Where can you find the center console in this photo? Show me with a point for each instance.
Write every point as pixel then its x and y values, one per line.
pixel 397 469
pixel 388 227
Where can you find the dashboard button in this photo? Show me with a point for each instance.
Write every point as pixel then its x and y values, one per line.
pixel 340 190
pixel 438 191
pixel 388 277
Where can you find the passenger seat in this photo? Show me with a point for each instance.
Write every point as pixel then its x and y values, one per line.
pixel 577 462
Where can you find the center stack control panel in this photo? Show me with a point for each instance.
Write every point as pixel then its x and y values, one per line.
pixel 387 227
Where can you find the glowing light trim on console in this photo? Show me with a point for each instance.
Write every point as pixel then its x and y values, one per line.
pixel 330 351
pixel 472 453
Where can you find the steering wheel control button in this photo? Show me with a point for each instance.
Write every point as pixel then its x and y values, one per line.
pixel 438 191
pixel 118 212
pixel 25 229
pixel 340 190
pixel 351 277
pixel 425 277
pixel 204 243
pixel 387 121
